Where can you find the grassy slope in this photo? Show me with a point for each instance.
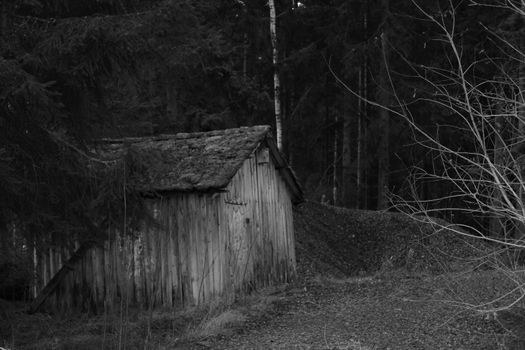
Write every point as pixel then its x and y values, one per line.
pixel 349 242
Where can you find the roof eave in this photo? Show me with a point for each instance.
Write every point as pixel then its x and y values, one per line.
pixel 286 171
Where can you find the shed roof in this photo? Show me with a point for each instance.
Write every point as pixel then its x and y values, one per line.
pixel 202 161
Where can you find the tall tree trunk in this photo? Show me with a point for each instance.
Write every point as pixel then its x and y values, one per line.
pixel 327 154
pixel 521 81
pixel 361 182
pixel 245 57
pixel 3 16
pixel 346 182
pixel 360 146
pixel 276 81
pixel 383 156
pixel 245 42
pixel 173 121
pixel 334 164
pixel 520 112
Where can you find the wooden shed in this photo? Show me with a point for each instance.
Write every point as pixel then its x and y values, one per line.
pixel 222 208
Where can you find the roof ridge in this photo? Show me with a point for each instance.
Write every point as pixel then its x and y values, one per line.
pixel 189 135
pixel 239 130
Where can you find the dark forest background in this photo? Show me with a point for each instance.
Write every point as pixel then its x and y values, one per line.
pixel 73 72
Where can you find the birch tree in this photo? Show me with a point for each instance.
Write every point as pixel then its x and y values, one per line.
pixel 276 80
pixel 383 156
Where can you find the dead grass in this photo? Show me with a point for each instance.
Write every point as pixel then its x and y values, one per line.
pixel 138 330
pixel 215 325
pixel 399 299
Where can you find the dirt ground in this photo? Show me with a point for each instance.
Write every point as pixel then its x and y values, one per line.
pixel 392 310
pixel 398 311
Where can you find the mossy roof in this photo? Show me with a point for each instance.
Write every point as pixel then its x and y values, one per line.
pixel 202 161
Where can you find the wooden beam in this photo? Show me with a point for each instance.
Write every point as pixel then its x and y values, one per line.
pixel 52 285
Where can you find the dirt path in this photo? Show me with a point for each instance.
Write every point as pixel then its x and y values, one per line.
pixel 367 313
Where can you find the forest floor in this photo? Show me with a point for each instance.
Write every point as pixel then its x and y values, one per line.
pixel 381 312
pixel 366 280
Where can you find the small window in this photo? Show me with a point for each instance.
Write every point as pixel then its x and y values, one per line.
pixel 263 156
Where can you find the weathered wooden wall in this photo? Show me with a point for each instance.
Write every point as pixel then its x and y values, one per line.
pixel 202 246
pixel 260 229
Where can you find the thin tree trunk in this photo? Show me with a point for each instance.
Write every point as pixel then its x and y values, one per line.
pixel 245 57
pixel 346 155
pixel 359 171
pixel 364 127
pixel 383 157
pixel 34 288
pixel 3 17
pixel 495 224
pixel 327 154
pixel 245 42
pixel 284 111
pixel 276 81
pixel 173 119
pixel 362 192
pixel 334 164
pixel 521 84
pixel 520 111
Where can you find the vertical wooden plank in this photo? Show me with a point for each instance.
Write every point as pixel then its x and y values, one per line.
pixel 197 248
pixel 214 232
pixel 174 236
pixel 161 255
pixel 130 276
pixel 93 284
pixel 277 224
pixel 107 271
pixel 52 267
pixel 185 250
pixel 194 245
pixel 153 259
pixel 180 256
pixel 203 249
pixel 163 245
pixel 267 223
pixel 258 219
pixel 100 275
pixel 157 255
pixel 46 268
pixel 208 216
pixel 228 272
pixel 190 249
pixel 137 258
pixel 249 222
pixel 204 239
pixel 115 268
pixel 222 250
pixel 256 222
pixel 168 247
pixel 174 252
pixel 143 267
pixel 166 263
pixel 167 256
pixel 260 222
pixel 271 221
pixel 150 233
pixel 86 278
